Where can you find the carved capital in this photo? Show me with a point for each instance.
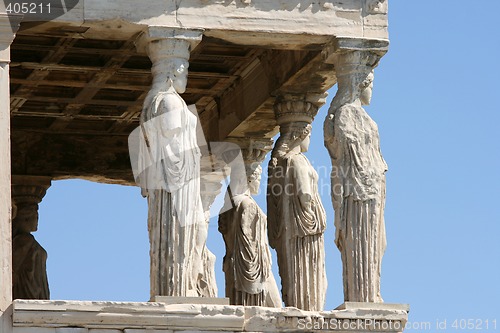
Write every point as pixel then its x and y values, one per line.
pixel 253 151
pixel 29 189
pixel 298 108
pixel 168 42
pixel 348 53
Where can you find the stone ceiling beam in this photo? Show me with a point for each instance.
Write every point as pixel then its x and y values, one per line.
pixel 255 90
pixel 96 158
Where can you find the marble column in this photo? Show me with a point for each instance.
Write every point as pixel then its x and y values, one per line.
pixel 8 25
pixel 29 272
pixel 296 217
pixel 358 170
pixel 243 224
pixel 170 158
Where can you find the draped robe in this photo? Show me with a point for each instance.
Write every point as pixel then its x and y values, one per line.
pixel 170 158
pixel 296 232
pixel 247 263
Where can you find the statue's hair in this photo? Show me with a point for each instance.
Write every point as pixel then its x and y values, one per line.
pixel 170 66
pixel 254 173
pixel 292 134
pixel 369 80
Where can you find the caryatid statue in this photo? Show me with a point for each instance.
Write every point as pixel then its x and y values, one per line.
pixel 247 263
pixel 29 271
pixel 296 217
pixel 358 177
pixel 169 161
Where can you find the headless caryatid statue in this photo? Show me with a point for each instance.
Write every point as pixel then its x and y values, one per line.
pixel 247 263
pixel 29 272
pixel 358 185
pixel 170 160
pixel 296 218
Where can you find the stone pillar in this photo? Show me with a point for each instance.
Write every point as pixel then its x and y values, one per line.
pixel 29 258
pixel 358 169
pixel 7 26
pixel 169 157
pixel 296 217
pixel 247 263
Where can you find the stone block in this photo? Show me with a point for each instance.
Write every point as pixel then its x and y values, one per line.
pixel 373 306
pixel 146 331
pixel 168 300
pixel 177 331
pixel 72 330
pixel 34 330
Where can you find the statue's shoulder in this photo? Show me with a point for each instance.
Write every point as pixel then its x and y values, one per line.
pixel 298 160
pixel 348 121
pixel 248 203
pixel 23 239
pixel 347 113
pixel 169 101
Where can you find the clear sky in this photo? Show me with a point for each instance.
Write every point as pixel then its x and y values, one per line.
pixel 436 103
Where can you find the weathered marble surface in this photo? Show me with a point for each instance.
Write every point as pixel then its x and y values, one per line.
pixel 297 219
pixel 51 316
pixel 358 178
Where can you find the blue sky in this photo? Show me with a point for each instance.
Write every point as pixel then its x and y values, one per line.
pixel 436 103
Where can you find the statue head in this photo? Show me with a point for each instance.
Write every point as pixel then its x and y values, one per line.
pixel 366 88
pixel 304 145
pixel 171 72
pixel 254 180
pixel 293 135
pixel 26 219
pixel 179 74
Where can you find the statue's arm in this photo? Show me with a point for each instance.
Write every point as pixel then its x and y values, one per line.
pixel 249 216
pixel 302 178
